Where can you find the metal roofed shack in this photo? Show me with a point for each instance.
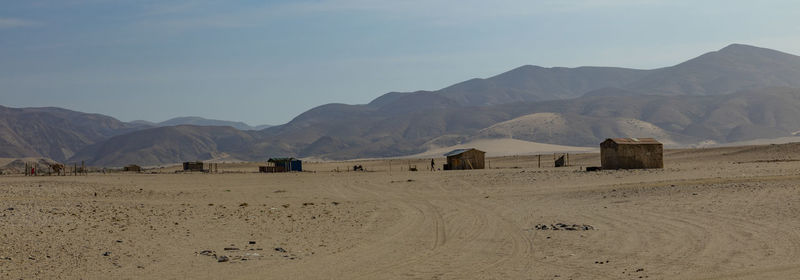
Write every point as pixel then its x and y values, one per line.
pixel 193 166
pixel 464 159
pixel 132 168
pixel 631 153
pixel 286 164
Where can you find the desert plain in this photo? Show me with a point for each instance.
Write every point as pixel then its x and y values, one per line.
pixel 717 213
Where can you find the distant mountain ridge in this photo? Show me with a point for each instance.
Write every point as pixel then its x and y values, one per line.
pixel 733 68
pixel 200 121
pixel 54 132
pixel 738 93
pixel 169 144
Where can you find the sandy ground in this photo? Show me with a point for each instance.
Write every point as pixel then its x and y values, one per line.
pixel 726 213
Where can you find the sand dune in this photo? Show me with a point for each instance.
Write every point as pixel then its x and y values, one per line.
pixel 506 147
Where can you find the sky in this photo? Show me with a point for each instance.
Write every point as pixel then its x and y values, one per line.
pixel 265 62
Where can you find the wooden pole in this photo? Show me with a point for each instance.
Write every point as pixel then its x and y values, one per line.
pixel 540 161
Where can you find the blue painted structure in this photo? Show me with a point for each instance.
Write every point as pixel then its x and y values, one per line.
pixel 286 164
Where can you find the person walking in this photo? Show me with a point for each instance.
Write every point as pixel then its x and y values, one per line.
pixel 433 165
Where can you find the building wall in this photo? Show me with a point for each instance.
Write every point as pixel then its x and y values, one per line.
pixel 134 168
pixel 270 169
pixel 286 165
pixel 631 156
pixel 468 160
pixel 193 166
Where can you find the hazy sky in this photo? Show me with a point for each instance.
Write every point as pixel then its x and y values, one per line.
pixel 264 62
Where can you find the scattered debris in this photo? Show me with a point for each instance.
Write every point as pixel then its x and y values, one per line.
pixel 279 249
pixel 207 253
pixel 401 181
pixel 106 254
pixel 593 168
pixel 335 203
pixel 243 204
pixel 562 226
pixel 285 206
pixel 251 242
pixel 231 249
pixel 223 259
pixel 308 204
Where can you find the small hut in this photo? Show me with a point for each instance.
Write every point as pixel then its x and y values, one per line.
pixel 132 168
pixel 631 153
pixel 286 164
pixel 462 159
pixel 193 166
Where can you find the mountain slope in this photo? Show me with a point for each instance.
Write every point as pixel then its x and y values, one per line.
pixel 533 83
pixel 582 121
pixel 199 121
pixel 733 68
pixel 165 145
pixel 722 96
pixel 54 132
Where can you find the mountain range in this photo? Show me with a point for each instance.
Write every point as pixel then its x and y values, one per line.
pixel 200 121
pixel 737 93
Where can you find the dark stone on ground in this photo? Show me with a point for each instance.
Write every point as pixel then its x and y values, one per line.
pixel 206 252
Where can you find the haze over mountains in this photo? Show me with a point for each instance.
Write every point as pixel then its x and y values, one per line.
pixel 202 122
pixel 737 93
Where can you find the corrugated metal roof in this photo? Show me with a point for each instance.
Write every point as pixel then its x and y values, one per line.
pixel 459 151
pixel 623 141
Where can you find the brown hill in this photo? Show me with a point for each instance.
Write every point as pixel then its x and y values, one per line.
pixel 367 132
pixel 733 68
pixel 723 96
pixel 54 132
pixel 166 145
pixel 533 83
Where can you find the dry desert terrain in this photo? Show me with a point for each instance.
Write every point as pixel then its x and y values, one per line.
pixel 723 213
